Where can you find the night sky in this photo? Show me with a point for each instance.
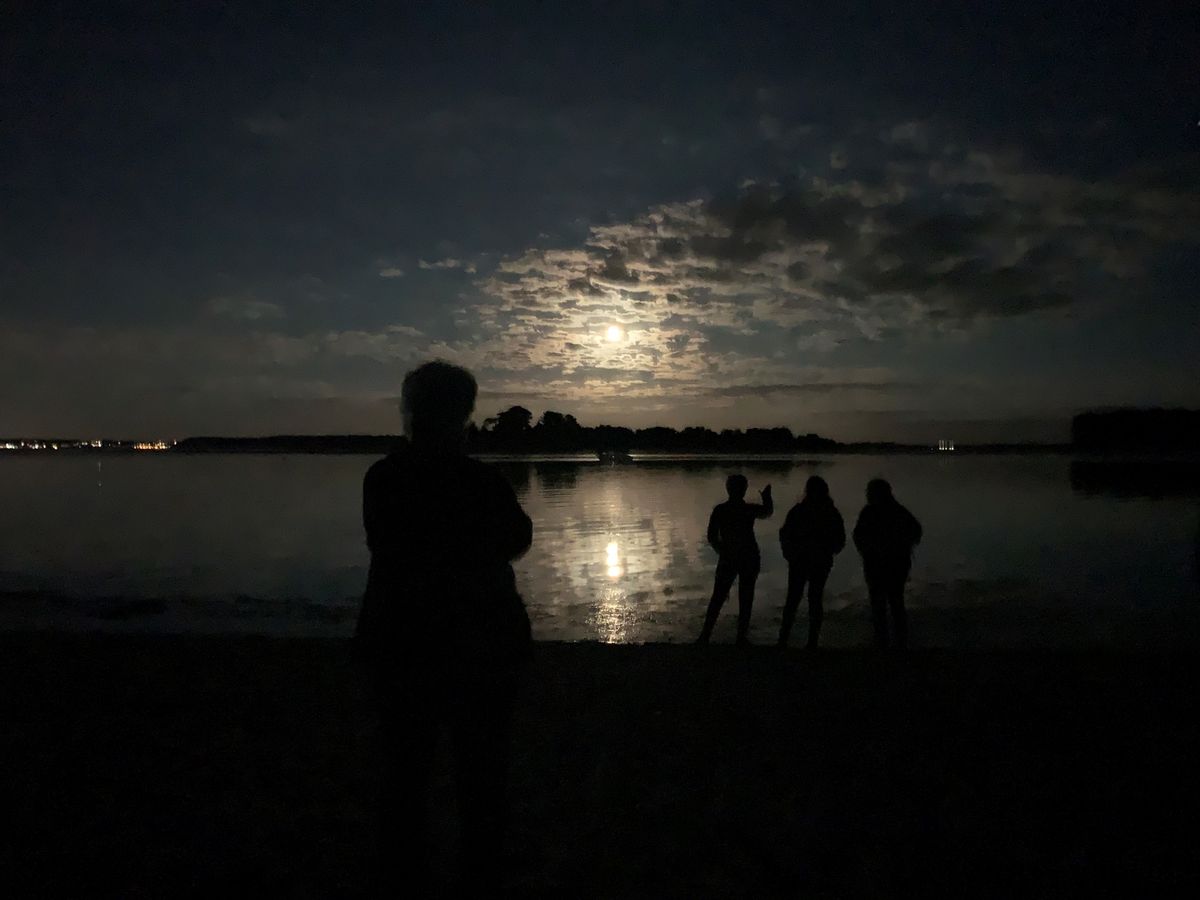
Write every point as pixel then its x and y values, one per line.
pixel 854 219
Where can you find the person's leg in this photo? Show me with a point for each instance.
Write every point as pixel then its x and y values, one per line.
pixel 877 591
pixel 795 589
pixel 481 740
pixel 723 581
pixel 408 723
pixel 816 605
pixel 899 613
pixel 747 576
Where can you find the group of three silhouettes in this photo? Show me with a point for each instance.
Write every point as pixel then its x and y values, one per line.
pixel 811 536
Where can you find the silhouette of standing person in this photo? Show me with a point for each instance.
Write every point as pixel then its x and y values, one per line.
pixel 731 534
pixel 442 630
pixel 811 536
pixel 885 535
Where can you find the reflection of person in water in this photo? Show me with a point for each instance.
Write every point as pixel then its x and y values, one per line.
pixel 885 536
pixel 442 629
pixel 811 536
pixel 731 534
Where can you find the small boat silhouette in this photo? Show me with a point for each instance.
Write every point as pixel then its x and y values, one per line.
pixel 614 457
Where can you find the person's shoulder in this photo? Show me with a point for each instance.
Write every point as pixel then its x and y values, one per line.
pixel 381 469
pixel 392 465
pixel 479 472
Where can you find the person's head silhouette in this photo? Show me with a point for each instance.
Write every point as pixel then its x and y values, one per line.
pixel 435 403
pixel 878 491
pixel 816 488
pixel 735 486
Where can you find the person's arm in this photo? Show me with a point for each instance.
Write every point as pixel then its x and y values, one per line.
pixel 714 531
pixel 916 529
pixel 861 538
pixel 767 507
pixel 788 533
pixel 374 490
pixel 514 529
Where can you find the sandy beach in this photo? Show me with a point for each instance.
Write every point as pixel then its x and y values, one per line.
pixel 177 766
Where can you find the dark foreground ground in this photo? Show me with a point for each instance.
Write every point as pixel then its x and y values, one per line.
pixel 166 767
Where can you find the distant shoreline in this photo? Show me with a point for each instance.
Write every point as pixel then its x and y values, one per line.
pixel 265 447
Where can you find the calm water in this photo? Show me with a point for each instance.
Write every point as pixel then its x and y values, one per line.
pixel 1012 554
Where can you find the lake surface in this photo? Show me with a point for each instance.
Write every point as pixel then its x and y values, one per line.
pixel 1013 554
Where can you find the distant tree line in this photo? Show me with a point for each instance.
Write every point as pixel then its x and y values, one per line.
pixel 1176 430
pixel 514 431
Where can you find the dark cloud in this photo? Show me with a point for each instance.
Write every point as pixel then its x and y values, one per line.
pixel 614 269
pixel 731 248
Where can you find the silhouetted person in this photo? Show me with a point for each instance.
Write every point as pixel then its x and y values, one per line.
pixel 731 534
pixel 442 630
pixel 811 536
pixel 885 536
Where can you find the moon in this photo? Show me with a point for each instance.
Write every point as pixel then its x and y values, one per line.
pixel 614 333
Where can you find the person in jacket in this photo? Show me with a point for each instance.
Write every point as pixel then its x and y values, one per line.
pixel 442 630
pixel 812 535
pixel 885 536
pixel 731 534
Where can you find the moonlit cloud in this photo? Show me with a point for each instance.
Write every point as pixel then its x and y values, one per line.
pixel 756 285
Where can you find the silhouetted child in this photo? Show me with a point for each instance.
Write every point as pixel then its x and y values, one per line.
pixel 442 629
pixel 811 536
pixel 885 536
pixel 731 534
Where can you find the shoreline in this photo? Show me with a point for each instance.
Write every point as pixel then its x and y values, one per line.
pixel 154 765
pixel 941 620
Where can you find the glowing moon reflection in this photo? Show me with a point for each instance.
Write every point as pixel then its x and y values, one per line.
pixel 613 560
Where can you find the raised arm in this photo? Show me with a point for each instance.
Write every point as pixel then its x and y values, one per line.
pixel 767 507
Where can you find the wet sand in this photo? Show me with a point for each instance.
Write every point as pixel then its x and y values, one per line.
pixel 175 766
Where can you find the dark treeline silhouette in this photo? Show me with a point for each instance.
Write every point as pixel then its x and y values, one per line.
pixel 514 431
pixel 1157 430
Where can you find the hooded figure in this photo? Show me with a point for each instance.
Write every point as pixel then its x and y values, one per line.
pixel 885 536
pixel 811 536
